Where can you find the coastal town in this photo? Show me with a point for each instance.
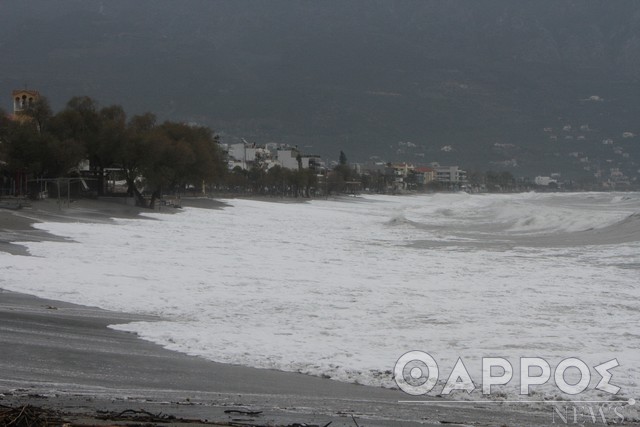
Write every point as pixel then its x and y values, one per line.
pixel 93 147
pixel 389 213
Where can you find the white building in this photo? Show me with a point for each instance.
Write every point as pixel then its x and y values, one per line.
pixel 245 156
pixel 544 181
pixel 288 158
pixel 311 161
pixel 242 154
pixel 450 174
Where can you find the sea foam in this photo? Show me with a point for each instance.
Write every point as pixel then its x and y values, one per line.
pixel 343 288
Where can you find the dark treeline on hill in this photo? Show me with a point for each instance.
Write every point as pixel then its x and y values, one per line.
pixel 154 157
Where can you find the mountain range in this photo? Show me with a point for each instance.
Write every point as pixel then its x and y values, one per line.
pixel 532 87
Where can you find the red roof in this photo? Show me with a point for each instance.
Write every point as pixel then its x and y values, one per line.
pixel 34 93
pixel 424 170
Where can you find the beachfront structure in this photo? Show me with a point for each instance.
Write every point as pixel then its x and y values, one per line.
pixel 245 156
pixel 544 181
pixel 311 161
pixel 402 169
pixel 424 175
pixel 450 174
pixel 242 154
pixel 401 172
pixel 292 158
pixel 617 179
pixel 288 158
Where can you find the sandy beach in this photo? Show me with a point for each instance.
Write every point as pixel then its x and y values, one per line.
pixel 64 356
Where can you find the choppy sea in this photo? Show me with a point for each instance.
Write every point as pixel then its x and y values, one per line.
pixel 342 288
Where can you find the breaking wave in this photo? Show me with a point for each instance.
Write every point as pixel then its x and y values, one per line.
pixel 526 215
pixel 337 289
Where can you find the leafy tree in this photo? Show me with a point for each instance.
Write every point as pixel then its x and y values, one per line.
pixel 335 181
pixel 154 158
pixel 496 181
pixel 341 174
pixel 25 149
pixel 4 130
pixel 476 178
pixel 237 180
pixel 169 156
pixel 40 153
pixel 275 180
pixel 304 180
pixel 80 123
pixel 507 180
pixel 132 154
pixel 40 113
pixel 79 120
pixel 62 156
pixel 343 158
pixel 209 165
pixel 106 145
pixel 256 176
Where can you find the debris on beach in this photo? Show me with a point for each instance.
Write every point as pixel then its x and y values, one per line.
pixel 29 416
pixel 136 415
pixel 238 411
pixel 33 416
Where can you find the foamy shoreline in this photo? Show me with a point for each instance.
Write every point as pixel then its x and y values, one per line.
pixel 97 218
pixel 63 356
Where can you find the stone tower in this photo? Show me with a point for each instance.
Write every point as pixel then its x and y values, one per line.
pixel 23 99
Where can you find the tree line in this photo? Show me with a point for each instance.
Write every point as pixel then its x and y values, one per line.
pixel 154 157
pixel 159 158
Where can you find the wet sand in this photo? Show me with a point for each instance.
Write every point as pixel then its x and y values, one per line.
pixel 16 224
pixel 64 356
